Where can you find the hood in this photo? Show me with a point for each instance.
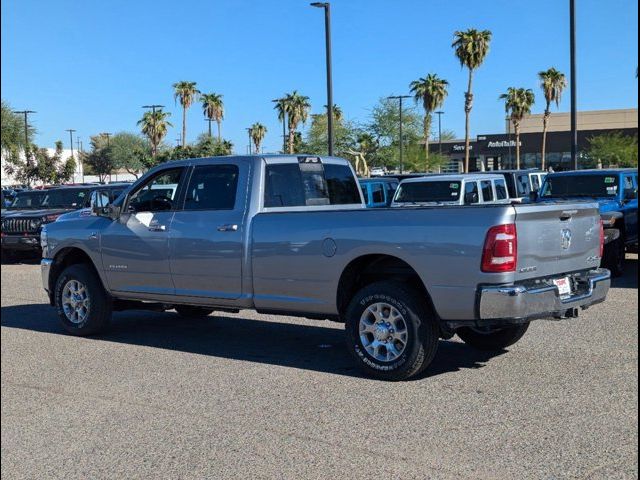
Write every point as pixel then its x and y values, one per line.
pixel 75 214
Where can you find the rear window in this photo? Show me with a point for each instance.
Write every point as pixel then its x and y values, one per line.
pixel 523 185
pixel 580 186
pixel 309 184
pixel 377 193
pixel 424 192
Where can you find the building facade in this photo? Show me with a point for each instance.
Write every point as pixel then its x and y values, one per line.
pixel 498 151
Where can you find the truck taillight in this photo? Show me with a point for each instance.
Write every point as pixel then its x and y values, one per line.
pixel 601 238
pixel 500 253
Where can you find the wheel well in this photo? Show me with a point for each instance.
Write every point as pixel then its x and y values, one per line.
pixel 63 259
pixel 374 268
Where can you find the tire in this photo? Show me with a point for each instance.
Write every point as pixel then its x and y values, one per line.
pixel 497 339
pixel 189 311
pixel 411 339
pixel 614 257
pixel 92 304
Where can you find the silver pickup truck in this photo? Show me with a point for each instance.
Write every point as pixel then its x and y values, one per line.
pixel 290 235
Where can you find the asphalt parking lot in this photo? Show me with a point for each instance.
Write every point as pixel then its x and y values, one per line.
pixel 254 396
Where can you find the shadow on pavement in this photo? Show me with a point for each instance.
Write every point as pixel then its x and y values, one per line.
pixel 630 277
pixel 308 347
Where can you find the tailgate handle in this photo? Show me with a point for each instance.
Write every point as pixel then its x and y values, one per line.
pixel 567 214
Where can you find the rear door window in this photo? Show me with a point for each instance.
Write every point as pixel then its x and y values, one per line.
pixel 377 193
pixel 212 187
pixel 471 193
pixel 523 185
pixel 343 189
pixel 487 191
pixel 501 190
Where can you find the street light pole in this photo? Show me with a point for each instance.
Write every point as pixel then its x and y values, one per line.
pixel 26 133
pixel 509 130
pixel 71 130
pixel 327 38
pixel 574 114
pixel 400 98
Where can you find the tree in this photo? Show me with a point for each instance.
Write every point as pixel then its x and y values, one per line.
pixel 552 83
pixel 187 93
pixel 257 132
pixel 52 169
pixel 517 104
pixel 213 109
pixel 13 143
pixel 431 91
pixel 297 108
pixel 612 150
pixel 130 152
pixel 99 160
pixel 154 125
pixel 344 135
pixel 471 47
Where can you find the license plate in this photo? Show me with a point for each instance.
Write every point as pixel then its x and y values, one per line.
pixel 564 286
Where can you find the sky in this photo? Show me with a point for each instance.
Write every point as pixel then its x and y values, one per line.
pixel 91 65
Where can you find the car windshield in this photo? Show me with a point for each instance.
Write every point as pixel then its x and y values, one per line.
pixel 580 186
pixel 65 198
pixel 425 192
pixel 27 200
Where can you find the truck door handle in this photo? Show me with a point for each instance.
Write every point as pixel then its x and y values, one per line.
pixel 228 228
pixel 567 214
pixel 157 228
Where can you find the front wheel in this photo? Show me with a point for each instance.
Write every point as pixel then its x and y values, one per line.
pixel 390 331
pixel 82 303
pixel 492 339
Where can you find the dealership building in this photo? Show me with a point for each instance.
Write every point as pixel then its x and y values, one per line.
pixel 498 151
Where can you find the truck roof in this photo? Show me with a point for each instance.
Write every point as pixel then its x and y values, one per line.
pixel 452 177
pixel 596 171
pixel 252 158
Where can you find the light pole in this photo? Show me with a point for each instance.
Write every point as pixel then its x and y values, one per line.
pixel 574 113
pixel 327 38
pixel 79 150
pixel 440 113
pixel 400 98
pixel 26 133
pixel 70 130
pixel 280 101
pixel 509 130
pixel 153 128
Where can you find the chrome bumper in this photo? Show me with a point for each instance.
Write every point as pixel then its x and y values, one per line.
pixel 528 302
pixel 45 266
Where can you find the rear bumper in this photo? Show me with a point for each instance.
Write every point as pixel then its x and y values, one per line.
pixel 521 303
pixel 24 242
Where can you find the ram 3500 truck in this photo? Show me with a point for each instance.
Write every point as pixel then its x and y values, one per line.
pixel 290 235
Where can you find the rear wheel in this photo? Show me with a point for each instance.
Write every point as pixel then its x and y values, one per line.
pixel 614 257
pixel 390 331
pixel 492 338
pixel 189 311
pixel 83 306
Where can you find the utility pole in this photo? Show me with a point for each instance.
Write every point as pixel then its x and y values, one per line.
pixel 249 132
pixel 71 130
pixel 79 150
pixel 400 98
pixel 26 133
pixel 574 113
pixel 509 130
pixel 327 38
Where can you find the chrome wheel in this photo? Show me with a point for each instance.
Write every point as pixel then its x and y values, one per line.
pixel 383 332
pixel 75 301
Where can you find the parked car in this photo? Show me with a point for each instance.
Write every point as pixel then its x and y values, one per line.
pixel 520 183
pixel 378 192
pixel 291 235
pixel 463 189
pixel 378 171
pixel 30 210
pixel 616 191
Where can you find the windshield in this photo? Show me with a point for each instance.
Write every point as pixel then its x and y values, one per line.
pixel 65 198
pixel 580 186
pixel 424 192
pixel 27 200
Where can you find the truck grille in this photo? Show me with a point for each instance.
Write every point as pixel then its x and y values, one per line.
pixel 20 225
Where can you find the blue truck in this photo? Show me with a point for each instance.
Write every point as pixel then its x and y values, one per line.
pixel 378 191
pixel 616 192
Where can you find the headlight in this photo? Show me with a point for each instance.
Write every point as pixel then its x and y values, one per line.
pixel 34 224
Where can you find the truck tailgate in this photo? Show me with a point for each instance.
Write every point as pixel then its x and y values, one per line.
pixel 556 238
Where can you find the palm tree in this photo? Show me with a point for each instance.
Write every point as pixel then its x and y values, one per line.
pixel 337 112
pixel 297 108
pixel 257 131
pixel 431 90
pixel 213 109
pixel 518 103
pixel 553 82
pixel 471 48
pixel 154 126
pixel 187 93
